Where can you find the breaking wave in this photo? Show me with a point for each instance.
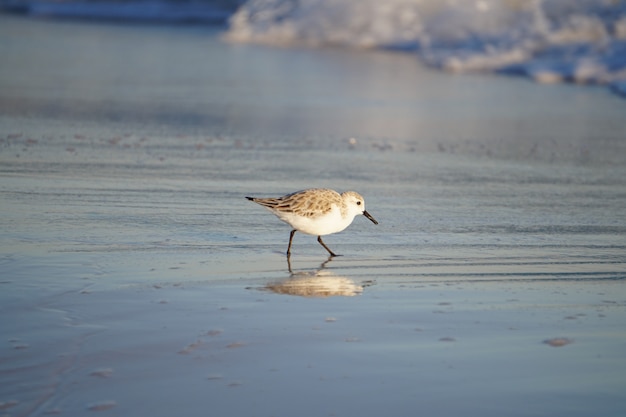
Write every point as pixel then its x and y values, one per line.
pixel 580 41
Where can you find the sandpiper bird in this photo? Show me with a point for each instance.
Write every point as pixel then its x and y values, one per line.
pixel 316 211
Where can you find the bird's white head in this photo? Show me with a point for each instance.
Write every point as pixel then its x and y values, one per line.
pixel 355 205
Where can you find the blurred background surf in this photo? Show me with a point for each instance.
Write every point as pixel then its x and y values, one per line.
pixel 549 41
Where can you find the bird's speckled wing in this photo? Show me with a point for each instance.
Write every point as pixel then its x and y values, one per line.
pixel 309 203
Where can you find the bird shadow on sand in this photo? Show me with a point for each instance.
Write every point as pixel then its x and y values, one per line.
pixel 317 283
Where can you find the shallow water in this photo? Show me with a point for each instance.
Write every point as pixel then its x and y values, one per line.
pixel 136 279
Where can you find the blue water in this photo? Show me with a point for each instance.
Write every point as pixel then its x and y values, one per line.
pixel 549 41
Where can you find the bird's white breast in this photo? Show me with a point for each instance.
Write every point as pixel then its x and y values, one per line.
pixel 331 222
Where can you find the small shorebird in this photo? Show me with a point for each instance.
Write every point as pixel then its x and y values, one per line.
pixel 316 211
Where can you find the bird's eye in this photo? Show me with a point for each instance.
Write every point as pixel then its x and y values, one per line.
pixel 358 203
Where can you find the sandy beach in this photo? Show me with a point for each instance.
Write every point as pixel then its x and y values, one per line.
pixel 136 279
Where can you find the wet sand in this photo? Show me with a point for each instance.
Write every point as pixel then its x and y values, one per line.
pixel 136 279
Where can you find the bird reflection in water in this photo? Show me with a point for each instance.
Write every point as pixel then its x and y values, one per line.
pixel 318 283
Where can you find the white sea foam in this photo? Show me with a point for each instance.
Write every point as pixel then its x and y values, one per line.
pixel 582 41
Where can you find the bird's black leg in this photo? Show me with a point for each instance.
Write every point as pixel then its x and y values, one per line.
pixel 319 239
pixel 290 239
pixel 289 265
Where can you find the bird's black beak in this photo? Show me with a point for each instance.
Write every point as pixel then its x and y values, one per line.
pixel 369 216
